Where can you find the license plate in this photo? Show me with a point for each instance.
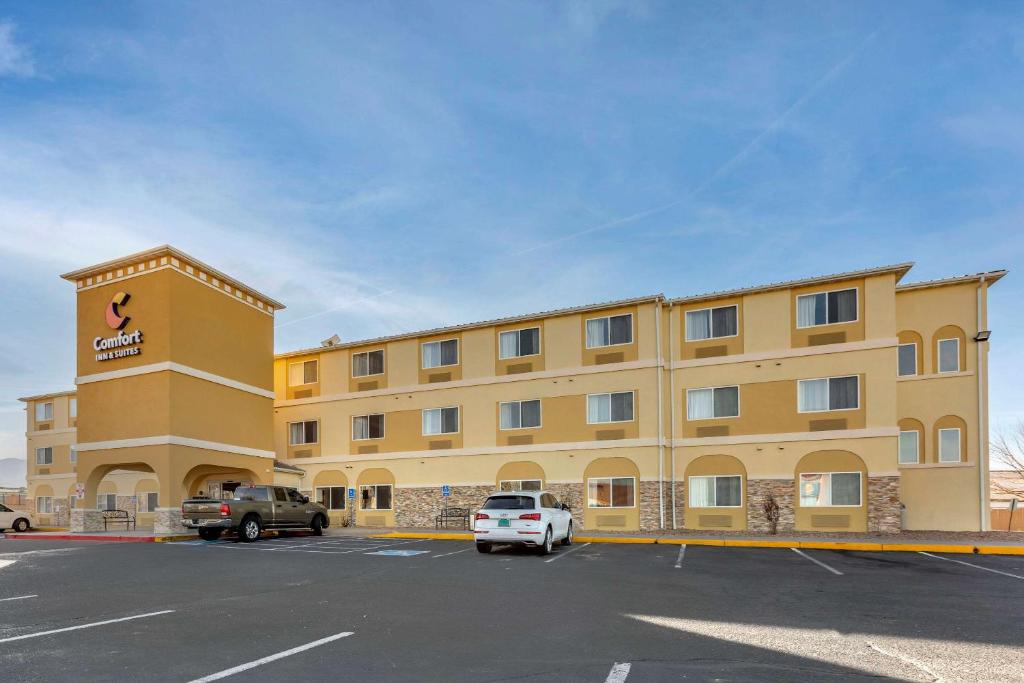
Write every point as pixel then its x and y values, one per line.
pixel 504 522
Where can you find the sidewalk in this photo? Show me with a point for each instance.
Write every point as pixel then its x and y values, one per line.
pixel 987 543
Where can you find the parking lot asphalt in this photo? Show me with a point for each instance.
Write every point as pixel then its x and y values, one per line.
pixel 342 608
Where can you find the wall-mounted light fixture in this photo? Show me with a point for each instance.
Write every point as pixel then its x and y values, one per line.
pixel 983 336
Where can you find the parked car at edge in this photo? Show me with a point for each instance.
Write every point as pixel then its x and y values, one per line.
pixel 12 519
pixel 531 518
pixel 252 509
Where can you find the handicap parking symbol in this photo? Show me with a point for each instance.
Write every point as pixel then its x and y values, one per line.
pixel 399 553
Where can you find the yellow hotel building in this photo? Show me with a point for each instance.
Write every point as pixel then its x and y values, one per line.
pixel 857 401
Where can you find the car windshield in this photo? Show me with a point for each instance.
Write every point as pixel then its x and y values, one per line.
pixel 509 503
pixel 251 493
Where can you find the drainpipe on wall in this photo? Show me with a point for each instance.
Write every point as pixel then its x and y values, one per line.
pixel 983 494
pixel 672 412
pixel 661 425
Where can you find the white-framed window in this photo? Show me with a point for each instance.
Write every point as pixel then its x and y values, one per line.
pixel 149 501
pixel 949 355
pixel 44 456
pixel 614 407
pixel 907 359
pixel 717 491
pixel 829 393
pixel 713 402
pixel 368 427
pixel 106 501
pixel 44 411
pixel 72 455
pixel 611 492
pixel 909 449
pixel 375 497
pixel 440 421
pixel 949 445
pixel 303 372
pixel 520 485
pixel 438 354
pixel 830 489
pixel 368 363
pixel 519 414
pixel 612 330
pixel 712 323
pixel 331 497
pixel 72 408
pixel 303 433
pixel 826 308
pixel 44 504
pixel 519 343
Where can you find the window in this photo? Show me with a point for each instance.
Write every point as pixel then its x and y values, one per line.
pixel 909 445
pixel 368 363
pixel 73 408
pixel 516 343
pixel 716 491
pixel 907 362
pixel 375 497
pixel 711 323
pixel 949 445
pixel 617 407
pixel 44 505
pixel 304 372
pixel 704 404
pixel 106 501
pixel 149 501
pixel 44 456
pixel 251 493
pixel 611 492
pixel 520 414
pixel 826 308
pixel 331 497
pixel 830 489
pixel 280 496
pixel 302 433
pixel 520 485
pixel 44 412
pixel 440 353
pixel 833 393
pixel 368 427
pixel 610 331
pixel 73 455
pixel 440 421
pixel 509 503
pixel 949 355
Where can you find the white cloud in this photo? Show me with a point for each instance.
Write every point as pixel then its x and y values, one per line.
pixel 15 59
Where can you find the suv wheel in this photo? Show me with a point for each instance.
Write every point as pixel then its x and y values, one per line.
pixel 568 536
pixel 546 548
pixel 483 547
pixel 250 529
pixel 21 525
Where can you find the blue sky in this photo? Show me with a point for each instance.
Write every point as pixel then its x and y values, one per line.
pixel 382 167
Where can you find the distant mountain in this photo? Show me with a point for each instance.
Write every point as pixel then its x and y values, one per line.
pixel 12 472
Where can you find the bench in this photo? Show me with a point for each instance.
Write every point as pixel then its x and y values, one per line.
pixel 118 517
pixel 450 515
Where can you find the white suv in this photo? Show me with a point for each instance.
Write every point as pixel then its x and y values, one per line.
pixel 531 518
pixel 11 519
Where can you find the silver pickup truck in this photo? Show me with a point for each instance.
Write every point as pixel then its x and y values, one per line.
pixel 252 509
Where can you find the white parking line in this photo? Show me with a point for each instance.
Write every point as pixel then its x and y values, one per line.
pixel 968 564
pixel 567 552
pixel 817 562
pixel 618 673
pixel 679 560
pixel 20 597
pixel 456 552
pixel 81 626
pixel 271 658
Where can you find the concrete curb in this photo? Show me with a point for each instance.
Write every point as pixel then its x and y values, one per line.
pixel 748 543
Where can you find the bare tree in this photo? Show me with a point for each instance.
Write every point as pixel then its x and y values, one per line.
pixel 1008 452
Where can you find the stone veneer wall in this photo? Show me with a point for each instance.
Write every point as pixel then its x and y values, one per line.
pixel 680 505
pixel 417 507
pixel 573 496
pixel 757 492
pixel 168 521
pixel 649 517
pixel 83 520
pixel 884 505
